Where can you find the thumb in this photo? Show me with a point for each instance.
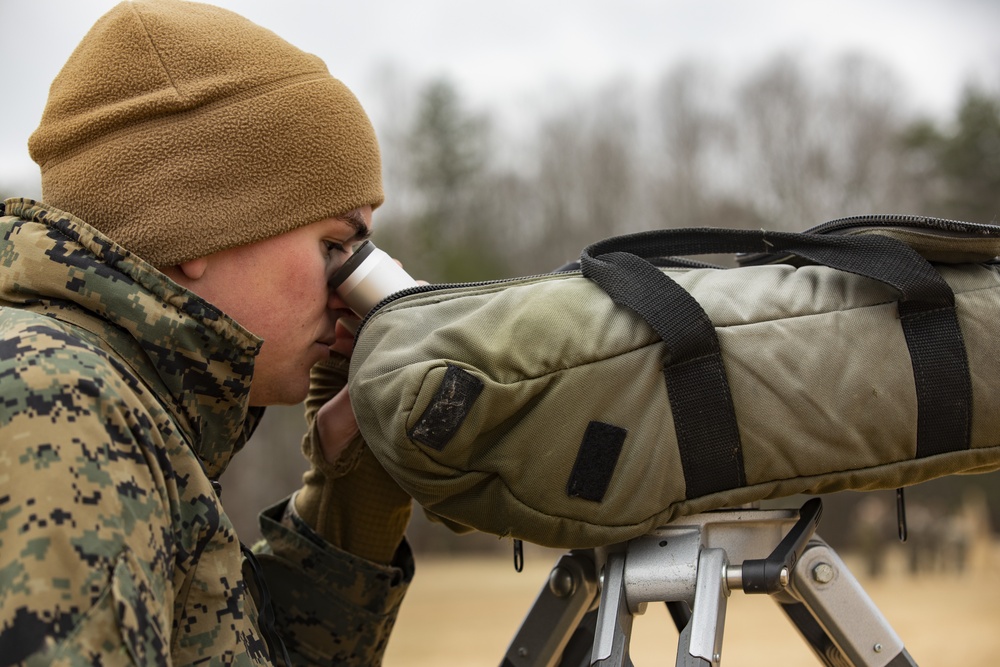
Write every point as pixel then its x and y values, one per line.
pixel 336 426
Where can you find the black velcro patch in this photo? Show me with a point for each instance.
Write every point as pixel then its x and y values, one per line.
pixel 459 389
pixel 595 461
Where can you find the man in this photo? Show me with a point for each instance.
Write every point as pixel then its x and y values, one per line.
pixel 201 179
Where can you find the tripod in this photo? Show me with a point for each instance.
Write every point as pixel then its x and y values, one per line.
pixel 583 614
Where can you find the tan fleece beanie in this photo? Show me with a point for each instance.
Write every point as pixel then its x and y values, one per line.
pixel 179 129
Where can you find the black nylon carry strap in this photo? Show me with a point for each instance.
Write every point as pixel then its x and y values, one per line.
pixel 707 430
pixel 700 400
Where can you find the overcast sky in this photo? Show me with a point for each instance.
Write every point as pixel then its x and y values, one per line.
pixel 502 52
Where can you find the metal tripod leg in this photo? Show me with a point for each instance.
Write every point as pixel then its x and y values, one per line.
pixel 564 600
pixel 700 643
pixel 614 620
pixel 836 617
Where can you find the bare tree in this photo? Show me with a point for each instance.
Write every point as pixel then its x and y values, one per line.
pixel 690 134
pixel 863 113
pixel 585 175
pixel 820 146
pixel 780 158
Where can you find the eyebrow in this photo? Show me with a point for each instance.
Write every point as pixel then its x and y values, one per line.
pixel 358 224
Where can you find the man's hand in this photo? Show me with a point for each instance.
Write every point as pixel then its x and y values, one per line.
pixel 332 442
pixel 336 426
pixel 347 497
pixel 335 423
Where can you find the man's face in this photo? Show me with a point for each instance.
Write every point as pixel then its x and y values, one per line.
pixel 277 289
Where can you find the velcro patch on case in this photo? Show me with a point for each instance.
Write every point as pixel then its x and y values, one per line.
pixel 595 461
pixel 455 395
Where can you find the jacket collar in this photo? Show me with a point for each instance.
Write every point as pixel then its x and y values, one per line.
pixel 179 344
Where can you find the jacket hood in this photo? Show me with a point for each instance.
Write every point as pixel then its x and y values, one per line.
pixel 196 359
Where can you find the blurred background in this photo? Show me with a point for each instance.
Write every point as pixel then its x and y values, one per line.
pixel 516 133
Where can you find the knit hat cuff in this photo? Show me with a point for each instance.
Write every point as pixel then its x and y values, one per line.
pixel 248 168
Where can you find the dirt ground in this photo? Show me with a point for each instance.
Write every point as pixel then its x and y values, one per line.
pixel 465 611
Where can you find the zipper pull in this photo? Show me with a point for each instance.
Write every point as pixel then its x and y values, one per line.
pixel 518 555
pixel 901 514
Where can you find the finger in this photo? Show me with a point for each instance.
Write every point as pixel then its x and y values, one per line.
pixel 344 343
pixel 336 425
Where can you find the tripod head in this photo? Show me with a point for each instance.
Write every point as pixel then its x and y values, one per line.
pixel 584 614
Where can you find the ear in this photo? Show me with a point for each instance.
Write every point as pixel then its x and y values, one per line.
pixel 194 269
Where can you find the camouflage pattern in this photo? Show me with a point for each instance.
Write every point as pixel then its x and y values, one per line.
pixel 121 397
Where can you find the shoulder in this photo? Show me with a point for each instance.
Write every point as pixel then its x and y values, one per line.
pixel 70 416
pixel 55 373
pixel 38 352
pixel 88 521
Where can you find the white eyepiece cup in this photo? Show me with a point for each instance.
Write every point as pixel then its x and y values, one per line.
pixel 369 276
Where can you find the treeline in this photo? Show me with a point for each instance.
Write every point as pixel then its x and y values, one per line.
pixel 788 147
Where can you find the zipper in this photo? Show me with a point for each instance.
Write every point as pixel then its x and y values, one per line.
pixel 911 221
pixel 434 287
pixel 839 225
pixel 571 268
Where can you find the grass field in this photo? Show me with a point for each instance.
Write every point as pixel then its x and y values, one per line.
pixel 464 611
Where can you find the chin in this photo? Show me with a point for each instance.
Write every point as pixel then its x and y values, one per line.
pixel 289 394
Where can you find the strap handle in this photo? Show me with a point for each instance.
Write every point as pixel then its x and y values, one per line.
pixel 700 399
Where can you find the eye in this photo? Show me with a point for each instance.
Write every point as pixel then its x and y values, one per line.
pixel 334 248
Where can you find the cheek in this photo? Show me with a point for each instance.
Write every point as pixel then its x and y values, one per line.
pixel 302 292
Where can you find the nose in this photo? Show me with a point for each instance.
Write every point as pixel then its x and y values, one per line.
pixel 334 301
pixel 340 311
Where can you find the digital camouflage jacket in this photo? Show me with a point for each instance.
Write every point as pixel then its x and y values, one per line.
pixel 122 396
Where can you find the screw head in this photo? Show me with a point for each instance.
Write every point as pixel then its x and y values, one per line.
pixel 561 582
pixel 823 573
